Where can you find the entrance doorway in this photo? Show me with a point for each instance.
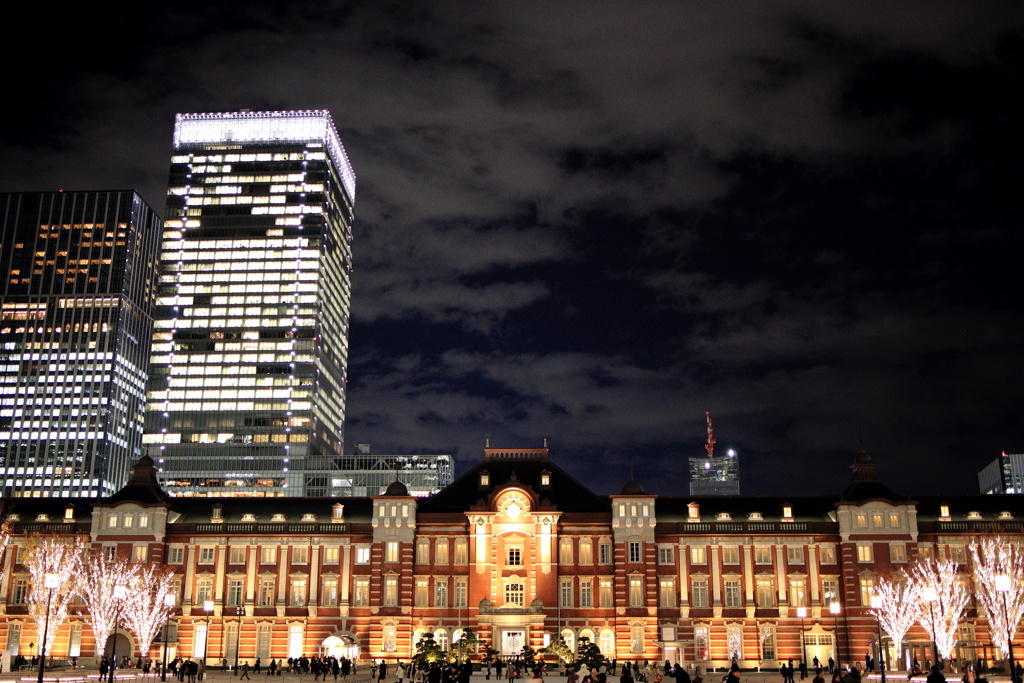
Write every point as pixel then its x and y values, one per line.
pixel 122 644
pixel 341 646
pixel 512 643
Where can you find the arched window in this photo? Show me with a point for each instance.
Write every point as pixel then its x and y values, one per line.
pixel 570 639
pixel 441 638
pixel 607 643
pixel 588 634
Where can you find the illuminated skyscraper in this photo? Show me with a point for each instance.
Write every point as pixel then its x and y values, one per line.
pixel 247 389
pixel 79 276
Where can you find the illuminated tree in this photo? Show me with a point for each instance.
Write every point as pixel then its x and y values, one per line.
pixel 145 610
pixel 98 577
pixel 427 650
pixel 943 601
pixel 5 536
pixel 62 559
pixel 900 607
pixel 998 574
pixel 560 649
pixel 464 647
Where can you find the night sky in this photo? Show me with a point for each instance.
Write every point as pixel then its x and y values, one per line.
pixel 596 220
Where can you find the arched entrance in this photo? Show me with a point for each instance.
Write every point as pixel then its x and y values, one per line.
pixel 121 644
pixel 341 646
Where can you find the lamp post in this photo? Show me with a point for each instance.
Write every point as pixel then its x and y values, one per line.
pixel 1003 585
pixel 120 593
pixel 929 595
pixel 835 608
pixel 802 613
pixel 169 601
pixel 876 604
pixel 208 608
pixel 50 582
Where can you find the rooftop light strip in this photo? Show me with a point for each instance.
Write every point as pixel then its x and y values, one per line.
pixel 263 127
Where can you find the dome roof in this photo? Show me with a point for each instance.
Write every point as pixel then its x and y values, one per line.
pixel 632 488
pixel 396 488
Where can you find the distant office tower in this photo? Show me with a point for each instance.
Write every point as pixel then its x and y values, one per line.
pixel 364 474
pixel 1005 474
pixel 714 475
pixel 247 394
pixel 79 276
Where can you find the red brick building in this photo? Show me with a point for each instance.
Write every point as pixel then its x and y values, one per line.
pixel 519 552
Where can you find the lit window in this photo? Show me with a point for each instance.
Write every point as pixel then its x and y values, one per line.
pixel 865 553
pixel 636 591
pixel 867 589
pixel 607 596
pixel 798 593
pixel 565 551
pixel 332 555
pixel 361 592
pixel 391 551
pixel 667 592
pixel 330 592
pixel 586 592
pixel 362 554
pixel 795 554
pixel 762 555
pixel 732 593
pixel 586 551
pixel 238 554
pixel 441 552
pixel 765 592
pixel 828 554
pixel 515 594
pixel 298 592
pixel 268 554
pixel 897 552
pixel 730 555
pixel 700 593
pixel 698 556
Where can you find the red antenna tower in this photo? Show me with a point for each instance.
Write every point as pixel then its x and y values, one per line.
pixel 711 437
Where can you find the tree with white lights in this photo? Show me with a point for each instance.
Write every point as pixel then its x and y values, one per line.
pixel 898 608
pixel 146 609
pixel 54 567
pixel 5 537
pixel 999 585
pixel 943 601
pixel 99 577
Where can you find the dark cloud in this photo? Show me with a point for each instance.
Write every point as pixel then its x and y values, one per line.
pixel 596 221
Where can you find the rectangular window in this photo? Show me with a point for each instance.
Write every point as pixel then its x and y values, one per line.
pixel 607 596
pixel 20 593
pixel 565 592
pixel 234 592
pixel 732 593
pixel 634 552
pixel 765 593
pixel 461 551
pixel 268 554
pixel 830 590
pixel 461 592
pixel 329 598
pixel 361 593
pixel 586 551
pixel 666 554
pixel 300 555
pixel 667 592
pixel 700 593
pixel 867 589
pixel 877 519
pixel 636 591
pixel 422 594
pixel 204 590
pixel 441 552
pixel 263 634
pixel 862 519
pixel 797 593
pixel 958 554
pixel 391 591
pixel 175 555
pixel 865 552
pixel 586 592
pixel 924 552
pixel 129 521
pixel 206 554
pixel 795 554
pixel 298 592
pixel 266 596
pixel 422 551
pixel 75 641
pixel 895 519
pixel 238 554
pixel 828 554
pixel 140 553
pixel 762 555
pixel 897 552
pixel 565 551
pixel 362 554
pixel 332 555
pixel 604 553
pixel 391 551
pixel 441 592
pixel 514 556
pixel 698 556
pixel 730 555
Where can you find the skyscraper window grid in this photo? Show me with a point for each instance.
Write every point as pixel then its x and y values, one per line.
pixel 75 327
pixel 250 345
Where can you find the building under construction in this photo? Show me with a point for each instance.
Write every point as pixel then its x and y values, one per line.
pixel 713 475
pixel 363 474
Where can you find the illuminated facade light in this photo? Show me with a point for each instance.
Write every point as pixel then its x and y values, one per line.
pixel 247 396
pixel 75 323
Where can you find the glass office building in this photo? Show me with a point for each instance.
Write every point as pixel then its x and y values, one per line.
pixel 79 277
pixel 247 388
